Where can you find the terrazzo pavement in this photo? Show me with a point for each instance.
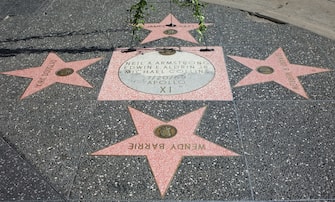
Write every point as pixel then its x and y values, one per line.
pixel 285 142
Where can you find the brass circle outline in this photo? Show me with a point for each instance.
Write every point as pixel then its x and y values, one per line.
pixel 265 70
pixel 170 32
pixel 167 51
pixel 165 131
pixel 64 72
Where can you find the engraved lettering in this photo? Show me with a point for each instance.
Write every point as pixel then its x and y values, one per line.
pixel 191 147
pixel 166 75
pixel 282 61
pixel 162 90
pixel 145 146
pixel 180 146
pixel 45 73
pixel 201 147
pixel 291 79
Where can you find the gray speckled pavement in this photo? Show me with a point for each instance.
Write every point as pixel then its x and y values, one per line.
pixel 280 121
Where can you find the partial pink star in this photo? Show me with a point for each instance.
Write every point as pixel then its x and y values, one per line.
pixel 276 68
pixel 177 30
pixel 53 70
pixel 165 154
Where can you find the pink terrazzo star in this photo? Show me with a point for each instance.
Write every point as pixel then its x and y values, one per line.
pixel 170 27
pixel 276 68
pixel 165 144
pixel 53 70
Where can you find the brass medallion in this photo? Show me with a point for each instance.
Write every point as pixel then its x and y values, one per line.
pixel 265 70
pixel 65 72
pixel 167 51
pixel 170 32
pixel 165 131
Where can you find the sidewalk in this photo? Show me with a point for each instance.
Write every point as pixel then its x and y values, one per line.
pixel 248 116
pixel 316 16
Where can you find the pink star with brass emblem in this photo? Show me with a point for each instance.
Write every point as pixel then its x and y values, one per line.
pixel 170 27
pixel 276 68
pixel 165 144
pixel 53 70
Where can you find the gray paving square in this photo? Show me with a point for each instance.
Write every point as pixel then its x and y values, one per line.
pixel 289 148
pixel 51 134
pixel 19 180
pixel 318 86
pixel 15 87
pixel 197 178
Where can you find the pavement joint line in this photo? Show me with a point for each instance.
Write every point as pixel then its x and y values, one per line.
pixel 31 166
pixel 250 179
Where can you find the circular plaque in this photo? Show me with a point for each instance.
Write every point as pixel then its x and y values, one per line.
pixel 170 32
pixel 64 72
pixel 167 51
pixel 165 131
pixel 265 70
pixel 154 73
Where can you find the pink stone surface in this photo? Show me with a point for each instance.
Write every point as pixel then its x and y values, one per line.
pixel 45 75
pixel 218 89
pixel 165 154
pixel 157 30
pixel 285 74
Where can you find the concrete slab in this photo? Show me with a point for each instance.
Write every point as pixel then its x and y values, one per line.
pixel 51 143
pixel 129 177
pixel 283 149
pixel 165 144
pixel 53 70
pixel 316 16
pixel 20 180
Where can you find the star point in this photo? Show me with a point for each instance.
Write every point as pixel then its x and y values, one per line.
pixel 165 144
pixel 53 70
pixel 276 68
